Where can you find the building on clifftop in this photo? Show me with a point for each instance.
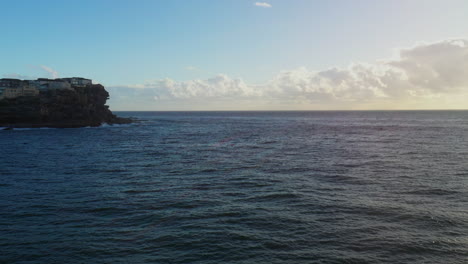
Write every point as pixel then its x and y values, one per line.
pixel 12 88
pixel 51 84
pixel 78 81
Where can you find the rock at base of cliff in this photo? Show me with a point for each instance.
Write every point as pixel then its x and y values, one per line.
pixel 80 107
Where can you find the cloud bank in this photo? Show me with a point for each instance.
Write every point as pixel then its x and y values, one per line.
pixel 421 73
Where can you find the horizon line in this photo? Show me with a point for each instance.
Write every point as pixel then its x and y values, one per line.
pixel 337 110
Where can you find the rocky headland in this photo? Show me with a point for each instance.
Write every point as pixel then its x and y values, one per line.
pixel 60 108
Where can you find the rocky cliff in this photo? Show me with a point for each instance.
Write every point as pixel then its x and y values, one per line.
pixel 78 107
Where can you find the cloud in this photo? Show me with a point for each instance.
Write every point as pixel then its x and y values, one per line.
pixel 216 87
pixel 191 68
pixel 422 72
pixel 263 4
pixel 17 76
pixel 435 68
pixel 40 69
pixel 52 73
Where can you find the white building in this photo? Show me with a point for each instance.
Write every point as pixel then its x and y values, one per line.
pixel 9 92
pixel 51 84
pixel 12 88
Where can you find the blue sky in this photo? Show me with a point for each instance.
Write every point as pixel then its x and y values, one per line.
pixel 129 43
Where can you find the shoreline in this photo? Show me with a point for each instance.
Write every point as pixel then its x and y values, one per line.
pixel 71 124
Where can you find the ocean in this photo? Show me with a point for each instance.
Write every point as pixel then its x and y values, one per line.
pixel 239 187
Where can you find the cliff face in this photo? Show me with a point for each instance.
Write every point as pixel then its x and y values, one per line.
pixel 79 107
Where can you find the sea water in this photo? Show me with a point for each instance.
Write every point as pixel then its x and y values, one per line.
pixel 239 187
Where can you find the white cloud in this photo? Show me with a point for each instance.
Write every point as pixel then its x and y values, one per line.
pixel 435 68
pixel 18 76
pixel 191 68
pixel 421 72
pixel 218 86
pixel 263 4
pixel 52 73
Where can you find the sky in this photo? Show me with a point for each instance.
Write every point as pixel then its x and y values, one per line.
pixel 246 55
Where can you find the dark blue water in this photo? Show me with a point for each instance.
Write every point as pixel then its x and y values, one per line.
pixel 239 187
